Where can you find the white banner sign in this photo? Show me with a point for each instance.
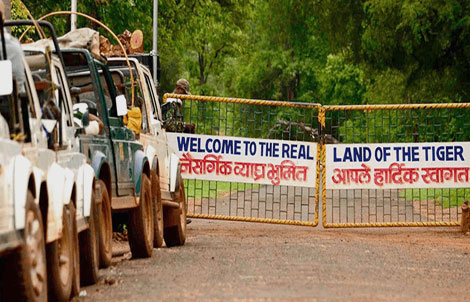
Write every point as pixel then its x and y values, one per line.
pixel 246 160
pixel 387 166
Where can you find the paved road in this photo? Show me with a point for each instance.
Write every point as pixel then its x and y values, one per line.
pixel 231 261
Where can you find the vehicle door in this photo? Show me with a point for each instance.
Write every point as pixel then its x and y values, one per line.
pixel 34 135
pixel 68 152
pixel 8 150
pixel 87 89
pixel 155 118
pixel 122 138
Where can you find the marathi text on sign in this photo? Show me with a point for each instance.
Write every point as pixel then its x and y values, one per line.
pixel 287 170
pixel 246 160
pixel 399 174
pixel 414 165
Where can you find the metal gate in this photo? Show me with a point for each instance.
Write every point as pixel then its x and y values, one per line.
pixel 327 126
pixel 255 119
pixel 382 124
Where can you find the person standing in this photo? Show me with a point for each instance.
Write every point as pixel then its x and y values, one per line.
pixel 172 110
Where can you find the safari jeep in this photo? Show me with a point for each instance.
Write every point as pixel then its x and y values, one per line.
pixel 35 190
pixel 166 177
pixel 22 245
pixel 65 198
pixel 121 167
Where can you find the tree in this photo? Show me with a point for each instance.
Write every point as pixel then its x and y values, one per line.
pixel 212 33
pixel 423 45
pixel 282 53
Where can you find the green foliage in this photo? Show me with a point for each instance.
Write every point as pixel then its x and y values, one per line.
pixel 282 54
pixel 329 51
pixel 387 87
pixel 445 198
pixel 341 83
pixel 18 12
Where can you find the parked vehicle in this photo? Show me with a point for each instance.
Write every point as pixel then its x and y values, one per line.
pixel 170 203
pixel 23 272
pixel 121 167
pixel 65 198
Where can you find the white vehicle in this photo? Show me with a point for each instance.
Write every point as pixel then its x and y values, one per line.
pixel 22 245
pixel 167 183
pixel 52 86
pixel 67 149
pixel 63 182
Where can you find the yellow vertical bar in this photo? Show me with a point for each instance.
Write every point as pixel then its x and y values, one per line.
pixel 317 185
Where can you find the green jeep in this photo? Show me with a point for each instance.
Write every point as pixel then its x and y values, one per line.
pixel 121 167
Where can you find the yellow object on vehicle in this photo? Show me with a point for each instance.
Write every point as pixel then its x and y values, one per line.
pixel 133 119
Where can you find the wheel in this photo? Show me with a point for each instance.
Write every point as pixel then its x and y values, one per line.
pixel 25 272
pixel 60 262
pixel 105 227
pixel 76 256
pixel 141 223
pixel 175 220
pixel 89 252
pixel 157 212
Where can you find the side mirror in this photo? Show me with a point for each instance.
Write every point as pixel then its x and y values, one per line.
pixel 121 105
pixel 156 126
pixel 6 78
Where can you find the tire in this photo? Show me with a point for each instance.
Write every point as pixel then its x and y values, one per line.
pixel 141 223
pixel 175 220
pixel 76 256
pixel 25 269
pixel 157 213
pixel 60 262
pixel 105 227
pixel 89 250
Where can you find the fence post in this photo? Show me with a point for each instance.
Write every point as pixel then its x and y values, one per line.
pixel 321 166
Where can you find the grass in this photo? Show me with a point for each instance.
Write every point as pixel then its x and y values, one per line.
pixel 198 189
pixel 446 198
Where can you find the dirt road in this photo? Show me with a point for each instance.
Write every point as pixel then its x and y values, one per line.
pixel 231 261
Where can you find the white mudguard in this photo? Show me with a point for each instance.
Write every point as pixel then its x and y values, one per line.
pixel 56 179
pixel 69 182
pixel 80 191
pixel 174 167
pixel 85 178
pixel 22 172
pixel 7 195
pixel 151 153
pixel 38 179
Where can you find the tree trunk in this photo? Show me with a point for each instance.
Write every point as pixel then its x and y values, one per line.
pixel 202 78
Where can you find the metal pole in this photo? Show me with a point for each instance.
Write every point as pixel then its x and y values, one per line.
pixel 73 18
pixel 155 42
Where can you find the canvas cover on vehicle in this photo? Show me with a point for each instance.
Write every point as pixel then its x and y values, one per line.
pixel 83 38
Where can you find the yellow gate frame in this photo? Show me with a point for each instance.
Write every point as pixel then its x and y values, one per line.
pixel 370 108
pixel 309 106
